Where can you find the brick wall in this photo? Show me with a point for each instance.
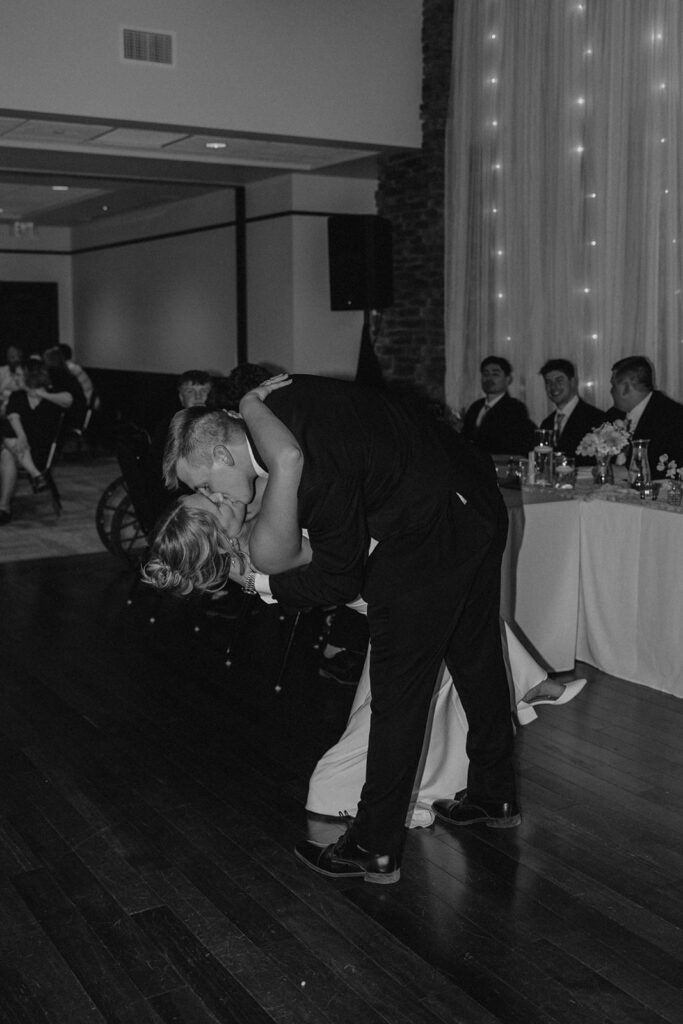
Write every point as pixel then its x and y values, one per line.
pixel 410 345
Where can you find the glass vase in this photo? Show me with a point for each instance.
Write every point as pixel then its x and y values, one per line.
pixel 603 471
pixel 674 495
pixel 639 465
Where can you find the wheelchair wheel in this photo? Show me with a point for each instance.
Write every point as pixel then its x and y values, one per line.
pixel 129 540
pixel 106 507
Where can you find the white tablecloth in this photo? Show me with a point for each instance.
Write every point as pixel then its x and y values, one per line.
pixel 631 593
pixel 540 579
pixel 599 581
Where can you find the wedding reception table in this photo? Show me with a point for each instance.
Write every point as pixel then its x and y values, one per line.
pixel 598 577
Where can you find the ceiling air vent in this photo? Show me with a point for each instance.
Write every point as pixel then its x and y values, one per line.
pixel 150 47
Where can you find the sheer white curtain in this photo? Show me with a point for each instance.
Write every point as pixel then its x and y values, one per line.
pixel 563 204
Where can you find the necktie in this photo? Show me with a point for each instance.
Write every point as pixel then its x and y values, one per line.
pixel 559 420
pixel 482 412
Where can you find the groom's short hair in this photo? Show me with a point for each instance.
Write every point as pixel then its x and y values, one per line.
pixel 193 435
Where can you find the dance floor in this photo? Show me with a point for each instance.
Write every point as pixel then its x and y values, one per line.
pixel 150 796
pixel 36 532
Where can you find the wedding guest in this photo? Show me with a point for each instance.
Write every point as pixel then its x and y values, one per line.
pixel 649 413
pixel 498 423
pixel 572 417
pixel 11 375
pixel 78 371
pixel 33 416
pixel 61 380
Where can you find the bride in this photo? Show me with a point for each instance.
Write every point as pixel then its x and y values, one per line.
pixel 207 538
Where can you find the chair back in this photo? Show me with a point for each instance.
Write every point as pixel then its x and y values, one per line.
pixel 53 447
pixel 132 451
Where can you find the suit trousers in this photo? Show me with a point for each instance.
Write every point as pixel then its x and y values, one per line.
pixel 434 597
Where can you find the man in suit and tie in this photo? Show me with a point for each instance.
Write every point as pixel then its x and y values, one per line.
pixel 572 417
pixel 376 468
pixel 648 413
pixel 498 423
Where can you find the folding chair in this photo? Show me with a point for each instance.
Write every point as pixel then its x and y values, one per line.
pixel 47 469
pixel 79 434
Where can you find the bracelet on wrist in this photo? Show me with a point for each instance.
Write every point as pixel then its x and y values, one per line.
pixel 249 585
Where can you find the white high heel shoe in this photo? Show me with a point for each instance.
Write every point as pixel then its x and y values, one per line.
pixel 525 709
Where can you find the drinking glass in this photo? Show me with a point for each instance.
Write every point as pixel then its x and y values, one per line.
pixel 565 471
pixel 543 458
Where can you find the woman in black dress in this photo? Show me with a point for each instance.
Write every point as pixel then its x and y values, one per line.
pixel 33 416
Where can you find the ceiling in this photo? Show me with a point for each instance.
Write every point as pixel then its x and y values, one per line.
pixel 65 173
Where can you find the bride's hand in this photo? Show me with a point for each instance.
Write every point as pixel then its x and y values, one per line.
pixel 280 380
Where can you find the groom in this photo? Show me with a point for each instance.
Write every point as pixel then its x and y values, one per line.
pixel 375 468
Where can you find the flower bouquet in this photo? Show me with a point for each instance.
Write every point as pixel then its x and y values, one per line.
pixel 675 475
pixel 604 443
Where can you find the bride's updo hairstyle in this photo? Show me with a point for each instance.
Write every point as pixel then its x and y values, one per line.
pixel 191 551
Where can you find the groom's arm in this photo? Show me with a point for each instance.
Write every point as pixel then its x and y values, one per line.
pixel 338 534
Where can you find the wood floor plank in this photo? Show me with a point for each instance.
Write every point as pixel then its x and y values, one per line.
pixel 150 798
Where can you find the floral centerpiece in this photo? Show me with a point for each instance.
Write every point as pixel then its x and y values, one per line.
pixel 671 472
pixel 671 467
pixel 604 443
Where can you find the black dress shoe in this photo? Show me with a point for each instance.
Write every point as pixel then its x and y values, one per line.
pixel 463 811
pixel 346 859
pixel 39 483
pixel 5 517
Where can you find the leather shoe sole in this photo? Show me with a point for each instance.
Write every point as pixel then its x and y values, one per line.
pixel 344 859
pixel 461 811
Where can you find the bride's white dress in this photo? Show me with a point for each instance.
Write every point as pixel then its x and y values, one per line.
pixel 338 778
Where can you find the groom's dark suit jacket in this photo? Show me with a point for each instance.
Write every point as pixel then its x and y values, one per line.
pixel 373 467
pixel 662 424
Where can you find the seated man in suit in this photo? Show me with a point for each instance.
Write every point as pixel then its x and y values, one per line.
pixel 498 423
pixel 648 413
pixel 571 418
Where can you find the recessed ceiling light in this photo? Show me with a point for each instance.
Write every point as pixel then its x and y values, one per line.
pixel 215 145
pixel 60 188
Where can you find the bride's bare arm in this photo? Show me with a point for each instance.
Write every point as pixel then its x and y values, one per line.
pixel 275 543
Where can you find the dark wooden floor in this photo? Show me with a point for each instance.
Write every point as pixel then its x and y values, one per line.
pixel 150 798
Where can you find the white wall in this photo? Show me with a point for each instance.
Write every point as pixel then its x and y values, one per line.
pixel 290 321
pixel 159 304
pixel 345 70
pixel 44 258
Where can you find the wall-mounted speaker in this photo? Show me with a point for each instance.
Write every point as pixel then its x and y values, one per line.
pixel 361 271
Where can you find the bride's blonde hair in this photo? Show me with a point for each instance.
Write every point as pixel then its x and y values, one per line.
pixel 191 551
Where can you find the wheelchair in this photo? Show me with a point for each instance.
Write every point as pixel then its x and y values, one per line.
pixel 124 516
